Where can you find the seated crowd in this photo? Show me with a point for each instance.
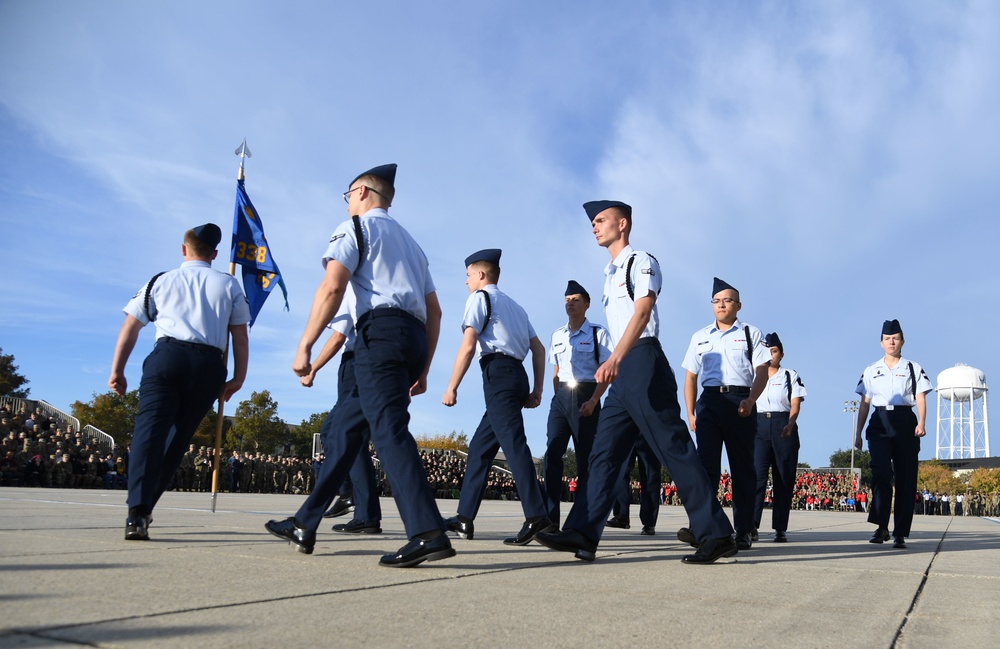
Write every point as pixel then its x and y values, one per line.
pixel 40 451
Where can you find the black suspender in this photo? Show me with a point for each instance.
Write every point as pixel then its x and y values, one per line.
pixel 746 333
pixel 788 385
pixel 152 316
pixel 913 382
pixel 597 353
pixel 361 240
pixel 629 286
pixel 628 279
pixel 489 309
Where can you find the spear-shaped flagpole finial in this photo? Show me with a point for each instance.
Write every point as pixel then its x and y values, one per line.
pixel 243 151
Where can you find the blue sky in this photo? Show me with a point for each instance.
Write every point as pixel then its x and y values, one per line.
pixel 837 162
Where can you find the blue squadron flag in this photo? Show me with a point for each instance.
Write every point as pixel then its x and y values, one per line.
pixel 251 251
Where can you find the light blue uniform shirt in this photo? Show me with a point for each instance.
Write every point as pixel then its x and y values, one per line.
pixel 509 331
pixel 573 351
pixel 193 303
pixel 618 306
pixel 774 398
pixel 394 272
pixel 720 357
pixel 344 321
pixel 892 387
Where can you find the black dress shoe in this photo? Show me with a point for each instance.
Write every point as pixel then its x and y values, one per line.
pixel 780 537
pixel 712 550
pixel 899 543
pixel 303 540
pixel 417 551
pixel 137 529
pixel 569 541
pixel 359 527
pixel 881 535
pixel 619 522
pixel 648 530
pixel 685 535
pixel 461 526
pixel 529 530
pixel 339 507
pixel 755 535
pixel 743 541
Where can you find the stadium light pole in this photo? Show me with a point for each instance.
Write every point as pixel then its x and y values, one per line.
pixel 852 407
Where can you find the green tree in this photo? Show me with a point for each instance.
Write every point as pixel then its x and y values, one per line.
pixel 935 476
pixel 570 468
pixel 113 414
pixel 302 435
pixel 257 426
pixel 205 433
pixel 12 382
pixel 862 460
pixel 985 480
pixel 453 441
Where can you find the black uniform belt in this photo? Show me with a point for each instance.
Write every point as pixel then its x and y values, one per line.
pixel 568 384
pixel 346 356
pixel 891 408
pixel 184 343
pixel 724 389
pixel 648 340
pixel 486 359
pixel 387 311
pixel 773 413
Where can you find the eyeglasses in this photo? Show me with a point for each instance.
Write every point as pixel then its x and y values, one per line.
pixel 723 300
pixel 347 194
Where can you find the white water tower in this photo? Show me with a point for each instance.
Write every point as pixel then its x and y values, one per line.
pixel 963 427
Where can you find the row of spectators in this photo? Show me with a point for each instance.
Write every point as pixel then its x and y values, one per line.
pixel 41 451
pixel 37 450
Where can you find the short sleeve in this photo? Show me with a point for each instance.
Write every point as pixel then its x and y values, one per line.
pixel 646 275
pixel 343 247
pixel 692 361
pixel 475 311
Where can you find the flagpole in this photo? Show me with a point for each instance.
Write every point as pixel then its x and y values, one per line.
pixel 243 152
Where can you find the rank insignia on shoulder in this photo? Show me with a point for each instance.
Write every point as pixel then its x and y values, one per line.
pixel 648 271
pixel 337 236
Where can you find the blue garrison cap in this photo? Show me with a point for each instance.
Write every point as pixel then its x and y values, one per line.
pixel 574 288
pixel 490 255
pixel 209 234
pixel 721 285
pixel 890 327
pixel 593 208
pixel 772 340
pixel 385 172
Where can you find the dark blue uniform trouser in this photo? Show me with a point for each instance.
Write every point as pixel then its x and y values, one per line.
pixel 894 450
pixel 180 381
pixel 643 401
pixel 649 485
pixel 781 454
pixel 344 428
pixel 718 422
pixel 505 386
pixel 565 422
pixel 389 356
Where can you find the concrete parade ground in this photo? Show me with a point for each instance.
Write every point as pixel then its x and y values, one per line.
pixel 68 578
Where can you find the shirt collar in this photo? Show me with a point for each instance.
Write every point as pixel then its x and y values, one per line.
pixel 195 263
pixel 376 211
pixel 736 325
pixel 619 261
